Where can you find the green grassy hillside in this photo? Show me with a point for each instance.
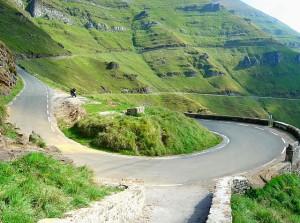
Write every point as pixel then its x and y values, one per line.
pixel 190 46
pixel 22 35
pixel 282 32
pixel 170 47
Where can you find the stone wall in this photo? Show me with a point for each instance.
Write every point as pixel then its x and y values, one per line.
pixel 122 207
pixel 220 211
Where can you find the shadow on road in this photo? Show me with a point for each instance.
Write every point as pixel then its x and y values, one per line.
pixel 201 210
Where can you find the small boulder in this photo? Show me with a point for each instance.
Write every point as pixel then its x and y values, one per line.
pixel 142 15
pixel 112 66
pixel 135 111
pixel 89 25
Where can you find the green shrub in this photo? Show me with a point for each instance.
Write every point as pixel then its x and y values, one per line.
pixel 156 133
pixel 37 140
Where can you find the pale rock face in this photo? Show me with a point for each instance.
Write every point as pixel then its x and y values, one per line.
pixel 272 58
pixel 39 8
pixel 19 4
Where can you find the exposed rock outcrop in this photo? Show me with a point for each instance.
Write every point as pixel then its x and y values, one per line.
pixel 19 4
pixel 190 73
pixel 190 8
pixel 272 58
pixel 39 8
pixel 118 29
pixel 112 66
pixel 249 62
pixel 68 109
pixel 212 7
pixel 297 59
pixel 140 90
pixel 104 27
pixel 269 58
pixel 142 15
pixel 212 72
pixel 8 74
pixel 149 24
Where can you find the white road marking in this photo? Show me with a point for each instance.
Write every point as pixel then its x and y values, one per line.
pixel 259 128
pixel 241 124
pixel 274 133
pixel 284 150
pixel 283 140
pixel 214 149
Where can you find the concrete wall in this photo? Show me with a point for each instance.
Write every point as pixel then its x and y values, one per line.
pixel 122 207
pixel 220 211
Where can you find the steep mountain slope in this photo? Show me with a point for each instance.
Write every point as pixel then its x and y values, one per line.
pixel 270 25
pixel 22 35
pixel 162 46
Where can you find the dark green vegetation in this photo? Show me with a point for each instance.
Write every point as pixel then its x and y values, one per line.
pixel 277 202
pixel 37 140
pixel 158 132
pixel 37 186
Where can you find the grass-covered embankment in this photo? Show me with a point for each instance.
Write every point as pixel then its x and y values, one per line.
pixel 38 186
pixel 158 132
pixel 7 129
pixel 277 202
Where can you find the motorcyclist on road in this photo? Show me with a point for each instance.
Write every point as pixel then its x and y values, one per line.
pixel 73 93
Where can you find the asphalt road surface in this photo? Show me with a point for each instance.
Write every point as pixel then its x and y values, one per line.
pixel 244 147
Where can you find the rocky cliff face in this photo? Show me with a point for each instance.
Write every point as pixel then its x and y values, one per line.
pixel 39 8
pixel 8 75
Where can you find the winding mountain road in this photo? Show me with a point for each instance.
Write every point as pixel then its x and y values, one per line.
pixel 244 147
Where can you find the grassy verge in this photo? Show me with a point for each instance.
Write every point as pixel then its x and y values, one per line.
pixel 158 132
pixel 8 129
pixel 38 186
pixel 277 202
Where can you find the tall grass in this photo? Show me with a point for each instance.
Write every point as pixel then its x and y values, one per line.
pixel 158 132
pixel 277 202
pixel 38 186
